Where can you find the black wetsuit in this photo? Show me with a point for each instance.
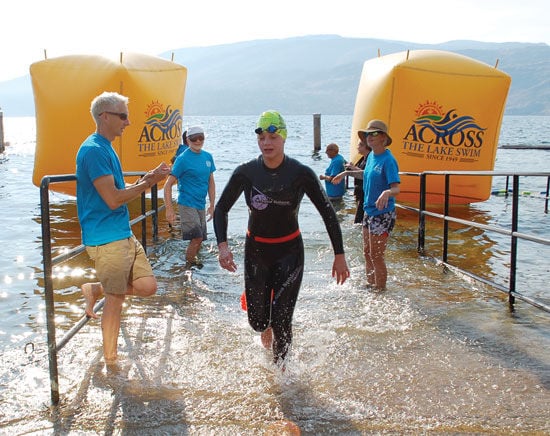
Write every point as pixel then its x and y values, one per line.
pixel 359 193
pixel 274 251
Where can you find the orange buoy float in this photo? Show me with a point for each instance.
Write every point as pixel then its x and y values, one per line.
pixel 64 88
pixel 444 113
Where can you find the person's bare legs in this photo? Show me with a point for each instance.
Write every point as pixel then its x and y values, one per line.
pixel 143 287
pixel 91 292
pixel 110 320
pixel 193 249
pixel 377 249
pixel 369 266
pixel 110 325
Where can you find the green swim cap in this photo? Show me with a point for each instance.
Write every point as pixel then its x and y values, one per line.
pixel 272 122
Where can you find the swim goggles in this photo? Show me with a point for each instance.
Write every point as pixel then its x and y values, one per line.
pixel 272 128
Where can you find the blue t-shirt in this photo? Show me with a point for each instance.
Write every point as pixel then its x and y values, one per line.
pixel 180 150
pixel 100 225
pixel 337 165
pixel 380 172
pixel 193 173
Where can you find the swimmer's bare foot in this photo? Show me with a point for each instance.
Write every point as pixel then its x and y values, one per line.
pixel 267 338
pixel 280 363
pixel 91 293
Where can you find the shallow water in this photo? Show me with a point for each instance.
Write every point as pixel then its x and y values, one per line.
pixel 437 352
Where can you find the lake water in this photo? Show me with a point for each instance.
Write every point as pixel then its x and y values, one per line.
pixel 436 352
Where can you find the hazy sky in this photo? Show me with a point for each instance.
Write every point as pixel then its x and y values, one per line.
pixel 108 27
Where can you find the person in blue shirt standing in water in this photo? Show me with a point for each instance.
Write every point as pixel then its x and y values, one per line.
pixel 120 261
pixel 193 171
pixel 274 185
pixel 335 191
pixel 381 185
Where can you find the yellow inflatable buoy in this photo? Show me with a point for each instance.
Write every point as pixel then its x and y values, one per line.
pixel 63 90
pixel 443 112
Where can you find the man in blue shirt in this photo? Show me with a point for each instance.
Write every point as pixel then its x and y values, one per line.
pixel 336 166
pixel 101 197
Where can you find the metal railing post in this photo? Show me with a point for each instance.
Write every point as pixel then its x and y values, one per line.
pixel 143 223
pixel 421 217
pixel 155 207
pixel 547 191
pixel 514 241
pixel 48 288
pixel 445 222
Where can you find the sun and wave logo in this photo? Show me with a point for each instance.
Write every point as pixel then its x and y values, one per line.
pixel 443 135
pixel 162 130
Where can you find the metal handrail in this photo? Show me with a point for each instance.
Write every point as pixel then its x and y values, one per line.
pixel 513 233
pixel 53 346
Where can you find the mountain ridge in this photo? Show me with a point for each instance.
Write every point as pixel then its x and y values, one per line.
pixel 315 74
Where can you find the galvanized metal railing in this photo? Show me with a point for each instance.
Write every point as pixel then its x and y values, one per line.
pixel 514 235
pixel 53 346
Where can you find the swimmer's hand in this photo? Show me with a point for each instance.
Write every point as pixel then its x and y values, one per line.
pixel 340 269
pixel 225 257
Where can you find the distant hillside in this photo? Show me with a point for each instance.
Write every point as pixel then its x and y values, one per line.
pixel 315 74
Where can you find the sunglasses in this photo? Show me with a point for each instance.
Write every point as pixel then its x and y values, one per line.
pixel 195 138
pixel 270 129
pixel 122 115
pixel 373 133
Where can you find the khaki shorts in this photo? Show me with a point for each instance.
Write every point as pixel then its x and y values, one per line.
pixel 119 263
pixel 193 223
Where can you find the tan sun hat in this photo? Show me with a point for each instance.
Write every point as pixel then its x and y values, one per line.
pixel 374 126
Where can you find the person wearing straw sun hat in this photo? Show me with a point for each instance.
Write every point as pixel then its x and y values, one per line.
pixel 381 185
pixel 274 185
pixel 375 128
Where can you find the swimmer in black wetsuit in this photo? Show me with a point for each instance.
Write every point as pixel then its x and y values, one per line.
pixel 274 185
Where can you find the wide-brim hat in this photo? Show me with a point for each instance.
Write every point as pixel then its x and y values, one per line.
pixel 374 126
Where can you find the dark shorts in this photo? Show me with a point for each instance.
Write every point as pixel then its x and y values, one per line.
pixel 380 224
pixel 193 223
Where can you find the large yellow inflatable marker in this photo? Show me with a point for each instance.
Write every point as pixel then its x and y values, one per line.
pixel 443 111
pixel 64 88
